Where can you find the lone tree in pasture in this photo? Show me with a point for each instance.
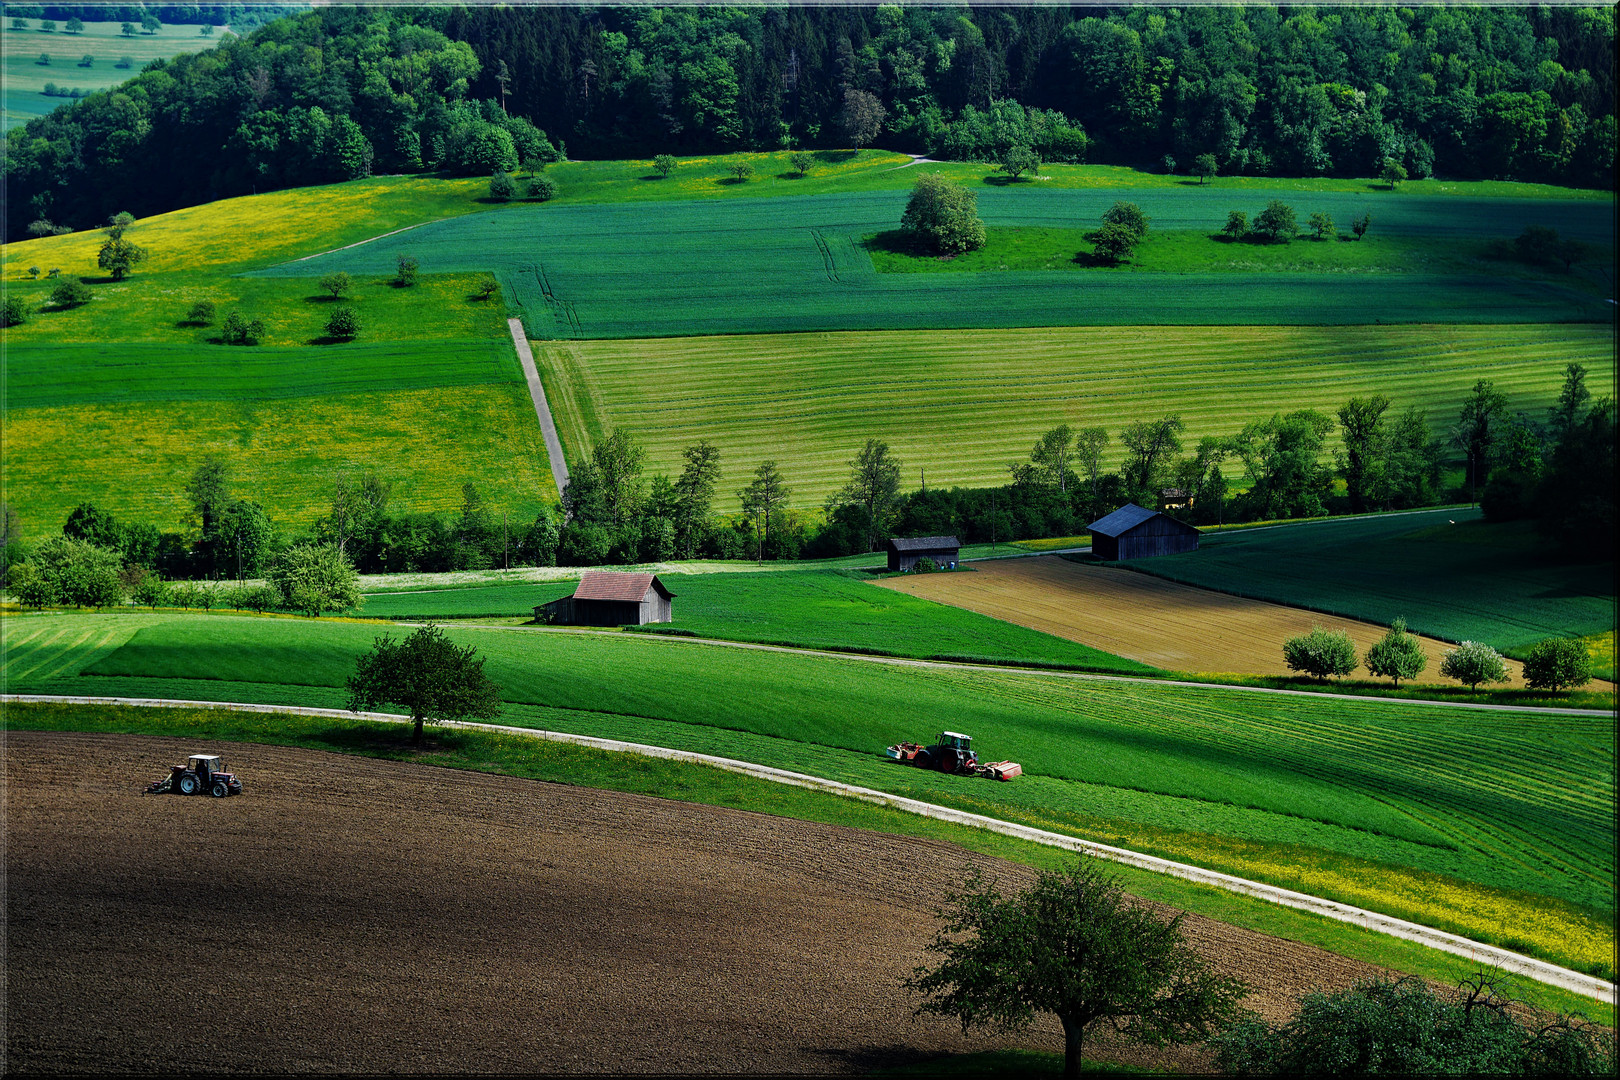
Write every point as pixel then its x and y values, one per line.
pixel 1392 172
pixel 942 216
pixel 1073 946
pixel 664 164
pixel 1397 655
pixel 71 293
pixel 801 161
pixel 1474 662
pixel 1558 663
pixel 127 29
pixel 1019 160
pixel 201 313
pixel 764 497
pixel 741 170
pixel 1128 215
pixel 429 675
pixel 1113 243
pixel 15 312
pixel 1204 167
pixel 1275 224
pixel 874 486
pixel 238 329
pixel 1322 226
pixel 118 256
pixel 150 23
pixel 1321 653
pixel 74 25
pixel 405 271
pixel 861 117
pixel 313 578
pixel 1237 225
pixel 1360 225
pixel 488 286
pixel 344 324
pixel 337 284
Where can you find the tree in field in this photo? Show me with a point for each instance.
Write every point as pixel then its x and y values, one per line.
pixel 48 25
pixel 1282 456
pixel 1475 434
pixel 201 313
pixel 71 293
pixel 542 189
pixel 1019 160
pixel 741 170
pixel 19 23
pixel 1573 397
pixel 1275 224
pixel 150 23
pixel 488 286
pixel 74 25
pixel 1089 445
pixel 343 324
pixel 501 186
pixel 1360 225
pixel 943 216
pixel 874 486
pixel 1392 172
pixel 428 675
pixel 1397 655
pixel 694 495
pixel 405 271
pixel 801 162
pixel 1128 215
pixel 1072 946
pixel 1557 663
pixel 1237 225
pixel 1473 662
pixel 1113 242
pixel 1322 226
pixel 118 255
pixel 664 164
pixel 337 284
pixel 1403 1028
pixel 313 578
pixel 15 311
pixel 1204 167
pixel 127 29
pixel 238 329
pixel 1321 653
pixel 1168 164
pixel 1361 420
pixel 64 570
pixel 1051 457
pixel 861 117
pixel 764 497
pixel 1149 445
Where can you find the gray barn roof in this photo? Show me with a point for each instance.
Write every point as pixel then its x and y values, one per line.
pixel 1122 520
pixel 924 543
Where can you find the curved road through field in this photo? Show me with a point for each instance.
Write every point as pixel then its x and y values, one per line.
pixel 1528 967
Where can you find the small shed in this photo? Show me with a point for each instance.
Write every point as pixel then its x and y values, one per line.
pixel 1135 532
pixel 905 553
pixel 611 598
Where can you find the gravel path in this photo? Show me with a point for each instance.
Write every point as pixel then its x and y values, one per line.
pixel 542 409
pixel 347 914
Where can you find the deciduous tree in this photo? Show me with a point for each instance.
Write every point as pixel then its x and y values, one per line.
pixel 943 216
pixel 1321 653
pixel 1475 433
pixel 337 283
pixel 874 486
pixel 861 117
pixel 764 497
pixel 1149 445
pixel 313 578
pixel 1204 167
pixel 1392 172
pixel 664 164
pixel 1361 422
pixel 1052 455
pixel 1237 225
pixel 801 161
pixel 1473 662
pixel 694 495
pixel 1275 224
pixel 1557 663
pixel 343 324
pixel 1018 160
pixel 1397 655
pixel 427 674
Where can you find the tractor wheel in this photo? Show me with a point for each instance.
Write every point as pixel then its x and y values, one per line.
pixel 189 785
pixel 219 790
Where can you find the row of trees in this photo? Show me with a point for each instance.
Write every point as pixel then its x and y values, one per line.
pixel 1556 663
pixel 329 94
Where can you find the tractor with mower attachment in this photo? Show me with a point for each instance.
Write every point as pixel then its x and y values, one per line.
pixel 952 753
pixel 200 773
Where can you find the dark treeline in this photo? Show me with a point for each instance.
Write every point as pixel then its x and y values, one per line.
pixel 1525 93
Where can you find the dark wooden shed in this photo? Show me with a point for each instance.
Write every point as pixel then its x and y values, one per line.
pixel 1135 532
pixel 611 598
pixel 905 553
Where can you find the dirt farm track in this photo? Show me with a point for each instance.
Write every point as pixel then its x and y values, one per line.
pixel 353 915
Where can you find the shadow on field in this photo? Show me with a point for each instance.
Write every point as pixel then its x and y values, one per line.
pixel 791 175
pixel 380 739
pixel 655 176
pixel 327 299
pixel 836 155
pixel 328 339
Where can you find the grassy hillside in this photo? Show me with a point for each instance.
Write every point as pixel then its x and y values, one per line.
pixel 1498 824
pixel 1472 580
pixel 968 404
pixel 614 270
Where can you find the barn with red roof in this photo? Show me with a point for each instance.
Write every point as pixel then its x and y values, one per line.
pixel 611 598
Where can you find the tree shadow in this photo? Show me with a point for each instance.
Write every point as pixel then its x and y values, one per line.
pixel 1000 180
pixel 329 339
pixel 1092 260
pixel 1191 183
pixel 732 181
pixel 106 279
pixel 791 175
pixel 836 155
pixel 328 299
pixel 374 738
pixel 655 176
pixel 895 242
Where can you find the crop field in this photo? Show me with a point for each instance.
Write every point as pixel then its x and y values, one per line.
pixel 1472 580
pixel 818 609
pixel 25 76
pixel 677 269
pixel 1152 620
pixel 968 404
pixel 1500 824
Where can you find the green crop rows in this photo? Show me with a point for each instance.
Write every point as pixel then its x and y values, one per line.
pixel 793 264
pixel 1466 581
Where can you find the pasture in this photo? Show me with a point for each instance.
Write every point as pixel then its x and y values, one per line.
pixel 818 609
pixel 25 76
pixel 967 405
pixel 1471 580
pixel 1496 825
pixel 796 264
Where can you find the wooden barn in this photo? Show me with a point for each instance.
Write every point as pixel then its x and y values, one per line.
pixel 610 598
pixel 904 554
pixel 1134 532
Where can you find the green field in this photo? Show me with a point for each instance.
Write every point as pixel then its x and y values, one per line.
pixel 796 263
pixel 819 609
pixel 1472 580
pixel 25 76
pixel 968 404
pixel 1500 825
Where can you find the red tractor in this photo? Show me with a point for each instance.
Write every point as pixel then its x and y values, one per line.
pixel 952 752
pixel 200 773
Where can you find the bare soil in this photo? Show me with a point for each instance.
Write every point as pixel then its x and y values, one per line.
pixel 352 915
pixel 1164 623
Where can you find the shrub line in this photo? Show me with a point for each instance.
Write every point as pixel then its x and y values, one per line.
pixel 1529 967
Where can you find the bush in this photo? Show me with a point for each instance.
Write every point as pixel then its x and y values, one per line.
pixel 201 313
pixel 925 565
pixel 1322 226
pixel 150 589
pixel 337 284
pixel 71 293
pixel 501 187
pixel 405 271
pixel 1474 662
pixel 1321 653
pixel 1557 663
pixel 15 313
pixel 543 189
pixel 313 578
pixel 344 324
pixel 1398 655
pixel 238 329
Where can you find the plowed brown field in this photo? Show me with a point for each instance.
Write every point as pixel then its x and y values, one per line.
pixel 347 914
pixel 1164 623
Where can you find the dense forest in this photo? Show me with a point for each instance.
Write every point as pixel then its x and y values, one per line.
pixel 1523 93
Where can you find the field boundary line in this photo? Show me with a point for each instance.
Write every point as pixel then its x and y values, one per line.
pixel 542 408
pixel 358 243
pixel 1527 966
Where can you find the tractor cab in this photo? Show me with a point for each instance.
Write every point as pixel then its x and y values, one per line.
pixel 952 740
pixel 205 765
